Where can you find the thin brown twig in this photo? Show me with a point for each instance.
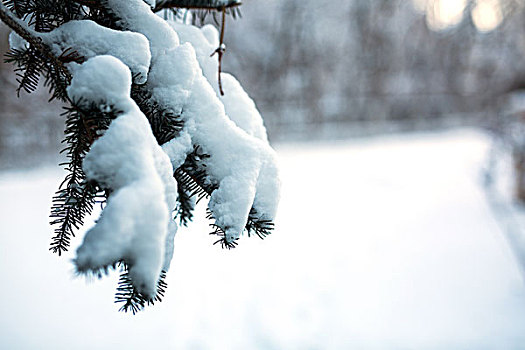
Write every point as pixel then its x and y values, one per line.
pixel 221 49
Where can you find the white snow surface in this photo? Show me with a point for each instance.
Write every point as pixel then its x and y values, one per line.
pixel 135 224
pixel 394 248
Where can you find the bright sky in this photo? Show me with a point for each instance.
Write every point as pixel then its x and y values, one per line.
pixel 441 14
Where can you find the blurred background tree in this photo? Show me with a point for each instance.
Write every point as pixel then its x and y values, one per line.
pixel 30 128
pixel 326 69
pixel 379 65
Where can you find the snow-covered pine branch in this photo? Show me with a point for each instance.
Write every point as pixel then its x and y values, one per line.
pixel 173 136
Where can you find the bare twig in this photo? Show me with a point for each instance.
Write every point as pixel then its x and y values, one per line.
pixel 221 49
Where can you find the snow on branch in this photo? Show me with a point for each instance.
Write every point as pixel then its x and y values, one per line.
pixel 148 129
pixel 242 166
pixel 88 39
pixel 134 225
pixel 239 107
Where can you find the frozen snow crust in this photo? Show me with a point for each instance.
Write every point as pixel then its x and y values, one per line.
pixel 173 62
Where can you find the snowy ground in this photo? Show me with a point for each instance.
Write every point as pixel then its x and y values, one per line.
pixel 382 243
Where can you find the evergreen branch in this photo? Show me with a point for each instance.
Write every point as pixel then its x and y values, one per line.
pixel 28 80
pixel 185 206
pixel 219 231
pixel 76 200
pixel 194 180
pixel 126 294
pixel 76 196
pixel 89 3
pixel 38 58
pixel 99 13
pixel 193 177
pixel 28 68
pixel 130 298
pixel 99 273
pixel 165 124
pixel 261 227
pixel 32 37
pixel 70 205
pixel 20 8
pixel 30 65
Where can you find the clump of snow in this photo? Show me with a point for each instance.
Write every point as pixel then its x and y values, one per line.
pixel 210 33
pixel 239 107
pixel 241 161
pixel 89 39
pixel 135 225
pixel 178 148
pixel 172 76
pixel 237 162
pixel 101 79
pixel 137 16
